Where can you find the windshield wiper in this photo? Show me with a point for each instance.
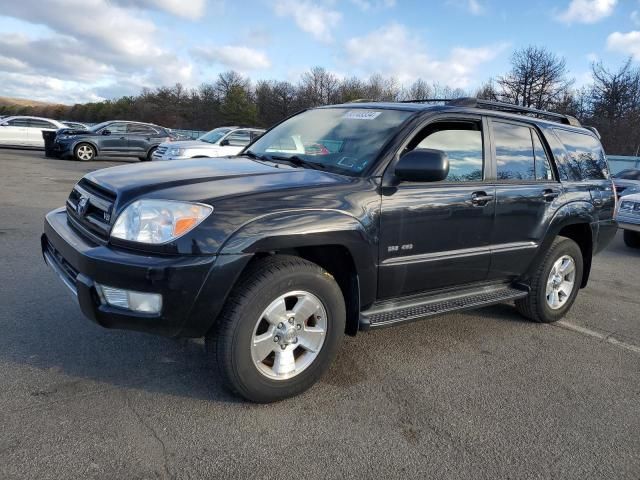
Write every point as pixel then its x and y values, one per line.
pixel 297 161
pixel 253 155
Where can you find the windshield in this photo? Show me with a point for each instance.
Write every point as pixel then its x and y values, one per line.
pixel 338 139
pixel 214 135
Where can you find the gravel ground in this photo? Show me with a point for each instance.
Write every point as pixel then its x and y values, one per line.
pixel 483 394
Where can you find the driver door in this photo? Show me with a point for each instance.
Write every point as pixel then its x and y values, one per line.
pixel 435 235
pixel 15 132
pixel 116 142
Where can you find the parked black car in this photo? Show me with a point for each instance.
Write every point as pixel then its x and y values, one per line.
pixel 340 219
pixel 113 138
pixel 627 181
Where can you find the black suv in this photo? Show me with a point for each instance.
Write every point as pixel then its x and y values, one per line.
pixel 113 138
pixel 339 219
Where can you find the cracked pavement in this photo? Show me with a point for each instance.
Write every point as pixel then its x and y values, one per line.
pixel 481 394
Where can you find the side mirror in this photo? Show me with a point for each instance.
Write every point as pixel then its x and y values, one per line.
pixel 106 132
pixel 423 165
pixel 224 143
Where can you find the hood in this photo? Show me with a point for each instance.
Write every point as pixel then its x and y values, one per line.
pixel 205 179
pixel 635 197
pixel 190 144
pixel 72 131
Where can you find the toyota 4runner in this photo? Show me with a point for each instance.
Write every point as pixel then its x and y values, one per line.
pixel 339 219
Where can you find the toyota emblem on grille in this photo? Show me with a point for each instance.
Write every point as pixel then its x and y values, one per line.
pixel 82 206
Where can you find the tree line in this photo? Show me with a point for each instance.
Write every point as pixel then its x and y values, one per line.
pixel 538 78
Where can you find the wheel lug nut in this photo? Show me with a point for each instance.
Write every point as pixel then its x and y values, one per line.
pixel 276 338
pixel 299 327
pixel 283 347
pixel 281 325
pixel 295 340
pixel 291 320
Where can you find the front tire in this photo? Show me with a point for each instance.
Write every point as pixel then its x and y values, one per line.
pixel 280 329
pixel 631 239
pixel 84 152
pixel 555 283
pixel 149 156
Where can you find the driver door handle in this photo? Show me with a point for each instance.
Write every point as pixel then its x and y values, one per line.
pixel 550 195
pixel 480 199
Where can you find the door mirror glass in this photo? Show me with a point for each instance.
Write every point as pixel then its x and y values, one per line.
pixel 423 165
pixel 106 132
pixel 224 143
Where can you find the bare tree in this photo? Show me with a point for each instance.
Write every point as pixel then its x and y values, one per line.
pixel 538 78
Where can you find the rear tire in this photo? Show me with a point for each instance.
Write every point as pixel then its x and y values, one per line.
pixel 279 330
pixel 84 152
pixel 632 239
pixel 555 283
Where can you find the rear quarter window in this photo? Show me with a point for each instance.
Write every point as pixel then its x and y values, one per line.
pixel 585 158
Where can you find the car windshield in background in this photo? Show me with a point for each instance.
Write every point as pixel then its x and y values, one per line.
pixel 628 175
pixel 337 139
pixel 214 135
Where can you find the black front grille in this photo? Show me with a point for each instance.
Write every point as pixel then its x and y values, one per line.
pixel 96 216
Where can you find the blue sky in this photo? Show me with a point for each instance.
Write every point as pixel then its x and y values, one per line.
pixel 79 50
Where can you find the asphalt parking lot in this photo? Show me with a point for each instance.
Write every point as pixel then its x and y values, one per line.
pixel 483 394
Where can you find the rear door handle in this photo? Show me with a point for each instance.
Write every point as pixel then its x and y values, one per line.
pixel 550 195
pixel 480 199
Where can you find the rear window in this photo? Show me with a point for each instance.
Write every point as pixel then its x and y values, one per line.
pixel 585 159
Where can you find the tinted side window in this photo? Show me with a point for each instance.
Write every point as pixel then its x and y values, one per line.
pixel 116 128
pixel 239 138
pixel 18 122
pixel 35 123
pixel 464 149
pixel 514 152
pixel 543 167
pixel 141 129
pixel 585 159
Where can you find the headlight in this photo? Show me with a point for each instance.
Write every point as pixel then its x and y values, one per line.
pixel 176 152
pixel 158 221
pixel 62 137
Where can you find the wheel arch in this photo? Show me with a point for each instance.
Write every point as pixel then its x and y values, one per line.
pixel 576 221
pixel 334 240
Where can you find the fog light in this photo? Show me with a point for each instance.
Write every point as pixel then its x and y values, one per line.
pixel 130 299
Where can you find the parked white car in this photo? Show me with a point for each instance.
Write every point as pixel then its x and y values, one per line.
pixel 20 131
pixel 628 218
pixel 219 142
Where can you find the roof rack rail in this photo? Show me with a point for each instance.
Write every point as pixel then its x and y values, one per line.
pixel 503 107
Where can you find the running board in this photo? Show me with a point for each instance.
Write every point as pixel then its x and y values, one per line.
pixel 389 313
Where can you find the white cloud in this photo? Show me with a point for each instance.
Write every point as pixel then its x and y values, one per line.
pixel 319 21
pixel 474 7
pixel 366 5
pixel 627 43
pixel 123 48
pixel 586 11
pixel 394 50
pixel 191 9
pixel 235 57
pixel 635 17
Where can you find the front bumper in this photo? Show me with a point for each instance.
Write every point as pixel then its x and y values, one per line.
pixel 193 288
pixel 634 227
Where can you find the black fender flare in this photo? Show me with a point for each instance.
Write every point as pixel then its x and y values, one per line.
pixel 572 213
pixel 307 228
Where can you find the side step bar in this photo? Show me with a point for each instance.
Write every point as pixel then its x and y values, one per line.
pixel 385 314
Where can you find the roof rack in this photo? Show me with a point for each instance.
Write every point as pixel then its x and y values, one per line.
pixel 502 107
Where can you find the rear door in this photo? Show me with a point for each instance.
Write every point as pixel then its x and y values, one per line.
pixel 526 191
pixel 436 234
pixel 141 137
pixel 15 132
pixel 36 127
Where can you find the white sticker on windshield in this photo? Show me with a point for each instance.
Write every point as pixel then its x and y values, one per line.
pixel 361 114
